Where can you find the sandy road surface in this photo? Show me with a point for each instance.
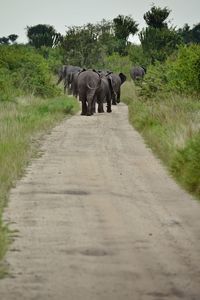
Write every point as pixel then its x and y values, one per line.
pixel 99 218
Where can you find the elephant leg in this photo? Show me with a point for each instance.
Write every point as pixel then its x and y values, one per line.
pixel 84 108
pixel 91 100
pixel 65 86
pixel 94 105
pixel 84 105
pixel 109 110
pixel 108 100
pixel 118 96
pixel 100 107
pixel 114 98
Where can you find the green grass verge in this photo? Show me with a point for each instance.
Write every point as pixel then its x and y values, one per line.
pixel 171 127
pixel 21 122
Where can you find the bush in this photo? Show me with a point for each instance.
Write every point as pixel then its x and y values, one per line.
pixel 184 71
pixel 53 56
pixel 186 165
pixel 24 71
pixel 180 73
pixel 7 90
pixel 117 64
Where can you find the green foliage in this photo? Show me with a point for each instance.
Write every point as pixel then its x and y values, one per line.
pixel 116 64
pixel 43 35
pixel 23 71
pixel 89 44
pixel 158 43
pixel 170 127
pixel 190 35
pixel 156 16
pixel 81 47
pixel 180 73
pixel 154 81
pixel 7 40
pixel 184 71
pixel 123 27
pixel 186 165
pixel 136 55
pixel 7 89
pixel 53 56
pixel 158 40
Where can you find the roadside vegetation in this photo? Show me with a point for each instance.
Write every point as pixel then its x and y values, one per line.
pixel 30 104
pixel 164 107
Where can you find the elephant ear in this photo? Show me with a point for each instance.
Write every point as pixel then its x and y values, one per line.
pixel 122 77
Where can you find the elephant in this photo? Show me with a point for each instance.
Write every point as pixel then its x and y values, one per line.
pixel 74 84
pixel 137 73
pixel 117 81
pixel 66 73
pixel 88 83
pixel 105 92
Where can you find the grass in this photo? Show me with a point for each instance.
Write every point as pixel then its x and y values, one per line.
pixel 21 122
pixel 170 125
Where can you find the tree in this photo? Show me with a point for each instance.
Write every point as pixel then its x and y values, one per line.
pixel 124 26
pixel 88 45
pixel 158 40
pixel 13 38
pixel 196 33
pixel 157 43
pixel 156 16
pixel 43 35
pixel 190 35
pixel 136 55
pixel 4 40
pixel 10 39
pixel 81 46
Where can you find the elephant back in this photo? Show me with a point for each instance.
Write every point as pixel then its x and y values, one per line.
pixel 88 79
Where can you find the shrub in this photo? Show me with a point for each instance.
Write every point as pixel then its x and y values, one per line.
pixel 184 71
pixel 186 165
pixel 24 71
pixel 117 64
pixel 180 73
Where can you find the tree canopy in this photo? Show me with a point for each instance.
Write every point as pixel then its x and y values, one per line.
pixel 9 39
pixel 43 35
pixel 156 17
pixel 158 40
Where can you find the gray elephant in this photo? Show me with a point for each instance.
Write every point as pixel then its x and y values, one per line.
pixel 137 73
pixel 66 73
pixel 117 81
pixel 74 84
pixel 88 83
pixel 105 92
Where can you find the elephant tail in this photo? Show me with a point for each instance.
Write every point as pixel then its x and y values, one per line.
pixel 91 88
pixel 96 86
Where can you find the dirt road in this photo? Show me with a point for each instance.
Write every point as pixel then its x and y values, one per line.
pixel 98 218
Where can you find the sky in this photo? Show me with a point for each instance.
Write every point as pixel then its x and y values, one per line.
pixel 16 15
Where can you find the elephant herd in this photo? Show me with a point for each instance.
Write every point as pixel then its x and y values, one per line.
pixel 92 86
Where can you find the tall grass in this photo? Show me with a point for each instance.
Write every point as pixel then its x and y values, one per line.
pixel 170 125
pixel 20 122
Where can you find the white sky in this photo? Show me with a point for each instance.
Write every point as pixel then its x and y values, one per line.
pixel 16 15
